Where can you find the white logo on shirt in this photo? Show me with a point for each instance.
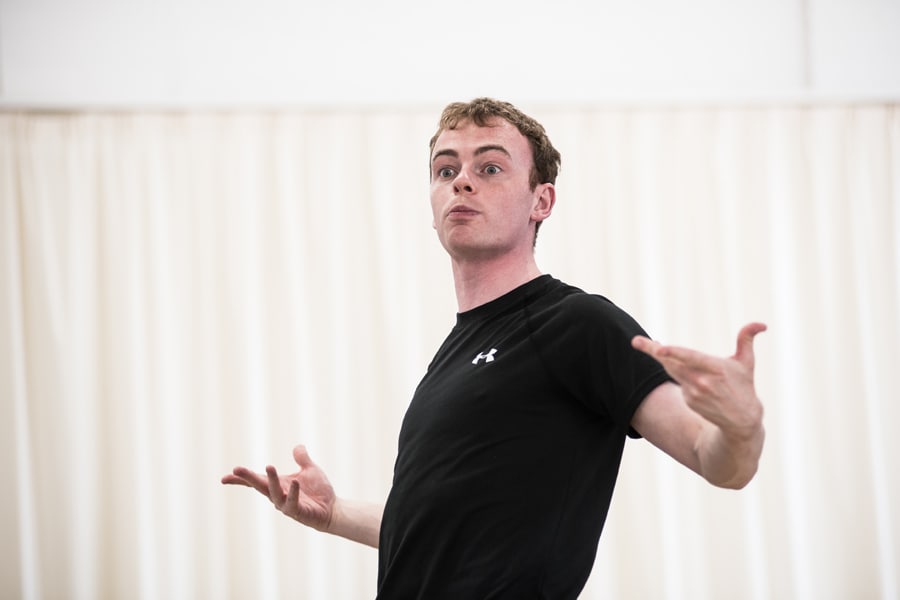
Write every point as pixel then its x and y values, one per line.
pixel 489 357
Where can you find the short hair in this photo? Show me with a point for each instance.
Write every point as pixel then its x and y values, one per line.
pixel 481 111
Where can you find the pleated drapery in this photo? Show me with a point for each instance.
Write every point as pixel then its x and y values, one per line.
pixel 184 292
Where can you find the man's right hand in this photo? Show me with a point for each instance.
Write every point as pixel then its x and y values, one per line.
pixel 306 496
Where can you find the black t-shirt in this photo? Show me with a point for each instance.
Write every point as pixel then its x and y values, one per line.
pixel 510 448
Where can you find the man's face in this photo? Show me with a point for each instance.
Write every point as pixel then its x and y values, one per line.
pixel 481 198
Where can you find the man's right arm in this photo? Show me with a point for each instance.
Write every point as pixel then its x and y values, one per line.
pixel 357 521
pixel 308 497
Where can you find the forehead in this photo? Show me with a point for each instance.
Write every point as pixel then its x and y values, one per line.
pixel 468 137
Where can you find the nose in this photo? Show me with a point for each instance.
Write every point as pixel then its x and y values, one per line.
pixel 463 183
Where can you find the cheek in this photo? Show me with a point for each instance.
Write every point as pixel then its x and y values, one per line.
pixel 436 206
pixel 434 216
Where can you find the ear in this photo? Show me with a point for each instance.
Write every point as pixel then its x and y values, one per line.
pixel 545 199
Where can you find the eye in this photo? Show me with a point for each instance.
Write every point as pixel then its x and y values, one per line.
pixel 445 173
pixel 492 169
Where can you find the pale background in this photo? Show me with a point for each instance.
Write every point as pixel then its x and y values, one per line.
pixel 215 243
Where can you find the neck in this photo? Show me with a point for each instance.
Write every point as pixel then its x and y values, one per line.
pixel 480 281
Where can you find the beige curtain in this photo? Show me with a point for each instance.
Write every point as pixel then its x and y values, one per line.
pixel 181 293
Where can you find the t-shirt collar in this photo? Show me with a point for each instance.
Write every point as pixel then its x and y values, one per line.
pixel 500 305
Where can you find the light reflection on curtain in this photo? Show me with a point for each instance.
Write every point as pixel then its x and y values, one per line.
pixel 186 292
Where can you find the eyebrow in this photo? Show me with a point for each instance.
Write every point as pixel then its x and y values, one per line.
pixel 479 150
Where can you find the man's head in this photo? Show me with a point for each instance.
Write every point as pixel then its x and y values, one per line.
pixel 485 111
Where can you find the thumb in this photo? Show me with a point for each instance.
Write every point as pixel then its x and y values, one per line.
pixel 745 337
pixel 301 457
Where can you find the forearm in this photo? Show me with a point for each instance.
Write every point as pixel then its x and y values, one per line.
pixel 729 459
pixel 725 455
pixel 356 521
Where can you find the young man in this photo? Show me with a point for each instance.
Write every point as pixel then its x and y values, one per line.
pixel 511 445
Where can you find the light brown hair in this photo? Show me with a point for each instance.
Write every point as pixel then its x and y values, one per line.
pixel 482 111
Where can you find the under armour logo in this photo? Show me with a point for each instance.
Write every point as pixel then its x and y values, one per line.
pixel 489 357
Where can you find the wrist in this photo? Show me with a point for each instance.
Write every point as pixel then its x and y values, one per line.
pixel 357 521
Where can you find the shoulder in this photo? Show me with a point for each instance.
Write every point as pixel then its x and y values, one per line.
pixel 565 306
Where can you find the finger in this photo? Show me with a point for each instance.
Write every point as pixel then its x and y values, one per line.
pixel 293 498
pixel 693 359
pixel 232 479
pixel 674 356
pixel 744 351
pixel 301 457
pixel 645 345
pixel 251 479
pixel 276 494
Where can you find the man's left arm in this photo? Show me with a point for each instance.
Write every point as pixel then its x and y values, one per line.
pixel 711 421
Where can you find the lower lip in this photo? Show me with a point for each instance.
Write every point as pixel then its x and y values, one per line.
pixel 462 213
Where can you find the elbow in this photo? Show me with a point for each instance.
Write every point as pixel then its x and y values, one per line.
pixel 739 482
pixel 744 463
pixel 739 478
pixel 736 475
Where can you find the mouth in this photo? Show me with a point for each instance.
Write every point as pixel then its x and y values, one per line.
pixel 461 210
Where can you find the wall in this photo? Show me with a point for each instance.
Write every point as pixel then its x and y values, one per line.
pixel 107 53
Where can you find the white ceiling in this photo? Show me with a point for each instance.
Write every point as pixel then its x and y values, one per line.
pixel 127 53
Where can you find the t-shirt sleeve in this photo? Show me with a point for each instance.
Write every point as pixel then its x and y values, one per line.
pixel 587 345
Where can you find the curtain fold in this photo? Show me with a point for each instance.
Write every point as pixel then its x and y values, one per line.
pixel 185 292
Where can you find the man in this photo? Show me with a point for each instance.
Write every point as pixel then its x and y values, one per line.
pixel 511 445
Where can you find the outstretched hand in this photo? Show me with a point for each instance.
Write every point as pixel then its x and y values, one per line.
pixel 721 390
pixel 306 496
